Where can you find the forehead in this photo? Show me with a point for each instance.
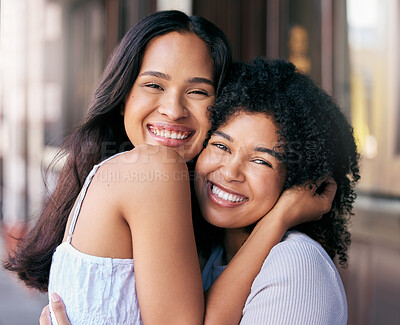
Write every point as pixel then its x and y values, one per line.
pixel 251 127
pixel 178 51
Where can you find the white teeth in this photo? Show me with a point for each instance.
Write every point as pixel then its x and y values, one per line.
pixel 225 196
pixel 170 134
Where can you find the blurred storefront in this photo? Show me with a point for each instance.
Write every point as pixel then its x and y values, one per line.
pixel 373 278
pixel 53 52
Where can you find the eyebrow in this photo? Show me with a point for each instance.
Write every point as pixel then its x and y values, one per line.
pixel 167 77
pixel 156 74
pixel 224 135
pixel 273 153
pixel 201 80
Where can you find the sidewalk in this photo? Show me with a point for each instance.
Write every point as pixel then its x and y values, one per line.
pixel 18 304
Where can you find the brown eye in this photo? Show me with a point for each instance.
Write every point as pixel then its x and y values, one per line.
pixel 221 146
pixel 153 86
pixel 198 93
pixel 262 162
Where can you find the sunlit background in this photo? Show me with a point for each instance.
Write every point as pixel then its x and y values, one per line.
pixel 52 54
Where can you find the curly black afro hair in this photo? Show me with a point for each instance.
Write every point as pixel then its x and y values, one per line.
pixel 315 136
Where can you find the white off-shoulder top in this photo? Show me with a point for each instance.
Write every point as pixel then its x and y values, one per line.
pixel 95 290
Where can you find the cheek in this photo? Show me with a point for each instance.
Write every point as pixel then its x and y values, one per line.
pixel 202 116
pixel 135 108
pixel 130 121
pixel 202 164
pixel 134 126
pixel 140 103
pixel 204 125
pixel 204 167
pixel 216 157
pixel 271 188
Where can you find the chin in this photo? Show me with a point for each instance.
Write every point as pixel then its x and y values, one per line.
pixel 216 222
pixel 224 224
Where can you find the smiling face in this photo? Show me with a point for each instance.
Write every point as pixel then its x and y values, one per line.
pixel 168 102
pixel 238 175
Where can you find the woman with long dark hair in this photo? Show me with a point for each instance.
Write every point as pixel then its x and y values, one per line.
pixel 161 78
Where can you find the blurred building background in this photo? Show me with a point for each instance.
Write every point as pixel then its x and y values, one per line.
pixel 53 51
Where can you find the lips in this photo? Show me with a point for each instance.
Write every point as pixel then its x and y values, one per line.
pixel 170 135
pixel 224 197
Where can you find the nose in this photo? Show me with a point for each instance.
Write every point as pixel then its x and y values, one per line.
pixel 232 171
pixel 173 106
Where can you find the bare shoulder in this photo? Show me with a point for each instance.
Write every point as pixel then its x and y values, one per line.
pixel 160 156
pixel 145 174
pixel 144 159
pixel 147 157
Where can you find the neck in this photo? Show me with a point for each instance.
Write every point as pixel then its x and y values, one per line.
pixel 233 239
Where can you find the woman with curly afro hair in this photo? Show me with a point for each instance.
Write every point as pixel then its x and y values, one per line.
pixel 273 130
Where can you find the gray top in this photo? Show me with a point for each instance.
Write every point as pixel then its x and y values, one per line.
pixel 297 284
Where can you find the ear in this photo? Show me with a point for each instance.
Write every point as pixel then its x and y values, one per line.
pixel 122 109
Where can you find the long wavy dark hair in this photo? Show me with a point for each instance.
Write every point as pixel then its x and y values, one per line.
pixel 314 135
pixel 103 134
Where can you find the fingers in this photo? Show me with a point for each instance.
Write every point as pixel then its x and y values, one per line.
pixel 327 188
pixel 58 308
pixel 44 318
pixel 330 188
pixel 327 193
pixel 326 183
pixel 322 194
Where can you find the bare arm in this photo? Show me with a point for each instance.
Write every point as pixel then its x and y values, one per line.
pixel 158 211
pixel 156 205
pixel 295 206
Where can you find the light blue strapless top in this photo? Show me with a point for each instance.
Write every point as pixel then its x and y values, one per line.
pixel 95 290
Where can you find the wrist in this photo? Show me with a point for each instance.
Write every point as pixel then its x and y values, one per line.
pixel 274 222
